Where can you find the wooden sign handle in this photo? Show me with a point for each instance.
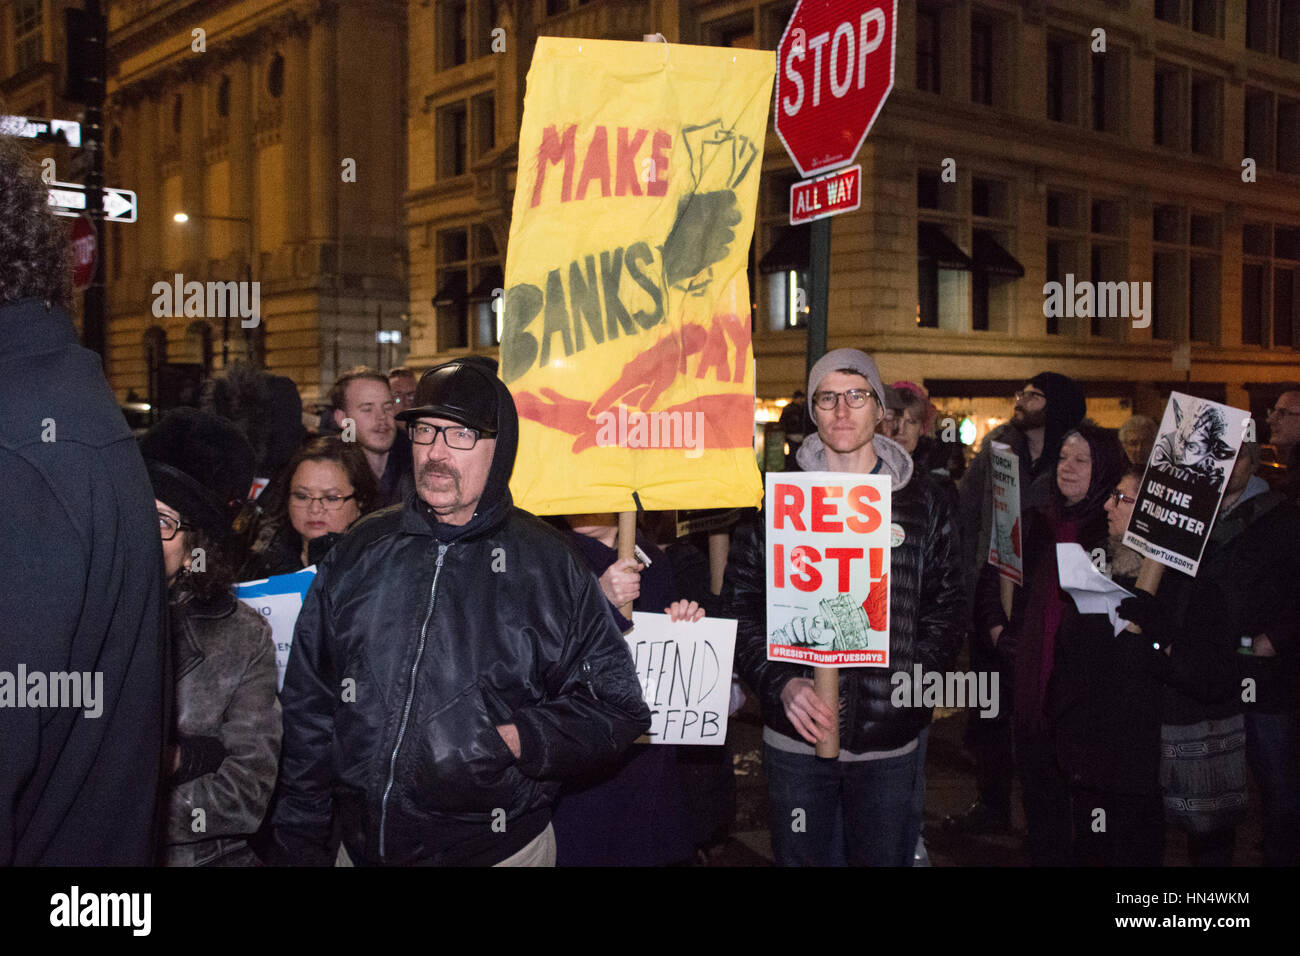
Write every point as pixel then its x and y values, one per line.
pixel 1008 594
pixel 826 684
pixel 626 548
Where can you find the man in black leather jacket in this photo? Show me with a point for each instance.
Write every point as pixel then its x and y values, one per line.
pixel 453 662
pixel 858 809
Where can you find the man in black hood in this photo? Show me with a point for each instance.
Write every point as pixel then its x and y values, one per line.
pixel 1046 407
pixel 81 572
pixel 453 662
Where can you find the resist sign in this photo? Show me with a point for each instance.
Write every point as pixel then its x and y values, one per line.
pixel 828 541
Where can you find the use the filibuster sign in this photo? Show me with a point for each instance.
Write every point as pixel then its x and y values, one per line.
pixel 828 549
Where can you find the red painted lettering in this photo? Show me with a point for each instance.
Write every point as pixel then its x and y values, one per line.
pixel 625 177
pixel 821 510
pixel 553 149
pixel 858 498
pixel 789 504
pixel 845 558
pixel 804 558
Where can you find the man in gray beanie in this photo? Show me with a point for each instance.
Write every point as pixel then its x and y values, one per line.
pixel 855 810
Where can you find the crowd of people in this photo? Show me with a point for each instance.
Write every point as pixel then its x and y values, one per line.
pixel 459 691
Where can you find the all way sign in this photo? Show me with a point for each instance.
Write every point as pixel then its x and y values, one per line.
pixel 840 191
pixel 69 199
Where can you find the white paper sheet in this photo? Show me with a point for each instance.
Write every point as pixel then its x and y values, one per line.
pixel 1093 592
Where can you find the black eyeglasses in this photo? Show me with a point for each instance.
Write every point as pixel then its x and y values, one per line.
pixel 1025 394
pixel 460 437
pixel 168 526
pixel 1117 496
pixel 328 502
pixel 853 398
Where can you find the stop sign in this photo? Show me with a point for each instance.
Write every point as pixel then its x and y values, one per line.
pixel 83 253
pixel 835 66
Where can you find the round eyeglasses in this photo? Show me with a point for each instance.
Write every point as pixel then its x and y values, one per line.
pixel 460 437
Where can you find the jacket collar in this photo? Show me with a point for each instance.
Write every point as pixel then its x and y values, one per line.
pixel 27 327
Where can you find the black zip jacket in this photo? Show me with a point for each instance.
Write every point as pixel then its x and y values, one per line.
pixel 416 640
pixel 926 603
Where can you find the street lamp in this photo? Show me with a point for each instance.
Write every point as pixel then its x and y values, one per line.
pixel 184 217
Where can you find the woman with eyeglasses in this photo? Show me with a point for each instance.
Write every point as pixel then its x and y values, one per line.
pixel 1090 462
pixel 326 486
pixel 226 738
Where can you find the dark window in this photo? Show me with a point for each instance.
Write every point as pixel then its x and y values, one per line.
pixel 1254 302
pixel 1205 114
pixel 1256 240
pixel 927 282
pixel 1105 217
pixel 28 35
pixel 981 61
pixel 1286 243
pixel 927 190
pixel 1054 209
pixel 1288 31
pixel 1169 11
pixel 1258 33
pixel 223 96
pixel 485 123
pixel 1101 120
pixel 1054 275
pixel 455 25
pixel 927 51
pixel 453 145
pixel 555 7
pixel 1203 300
pixel 1259 127
pixel 1167 224
pixel 275 76
pixel 1288 136
pixel 1284 303
pixel 1165 293
pixel 979 197
pixel 1057 51
pixel 1165 107
pixel 1205 16
pixel 1205 232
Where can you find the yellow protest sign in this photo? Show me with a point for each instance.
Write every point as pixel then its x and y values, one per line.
pixel 626 322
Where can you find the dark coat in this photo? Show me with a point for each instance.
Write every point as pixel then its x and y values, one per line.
pixel 432 635
pixel 224 661
pixel 83 591
pixel 926 607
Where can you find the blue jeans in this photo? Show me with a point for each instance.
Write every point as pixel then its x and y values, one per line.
pixel 854 813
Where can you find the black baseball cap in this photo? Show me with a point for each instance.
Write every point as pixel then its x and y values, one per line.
pixel 461 391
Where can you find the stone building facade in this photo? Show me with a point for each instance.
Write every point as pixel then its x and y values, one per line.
pixel 1025 142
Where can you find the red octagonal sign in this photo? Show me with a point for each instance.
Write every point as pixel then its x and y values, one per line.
pixel 835 67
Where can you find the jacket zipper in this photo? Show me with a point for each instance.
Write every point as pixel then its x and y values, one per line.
pixel 410 698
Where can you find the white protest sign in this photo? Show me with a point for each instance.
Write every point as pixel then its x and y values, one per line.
pixel 1184 480
pixel 685 673
pixel 1004 542
pixel 828 549
pixel 278 599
